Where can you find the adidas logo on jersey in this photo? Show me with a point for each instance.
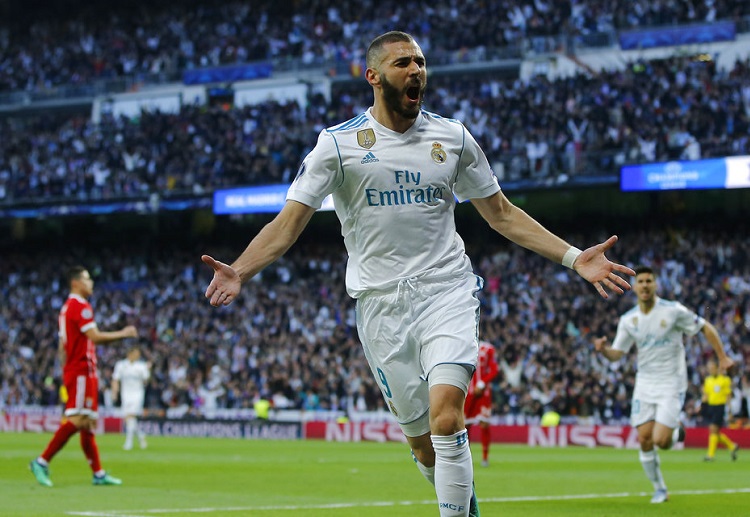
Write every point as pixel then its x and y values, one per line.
pixel 369 158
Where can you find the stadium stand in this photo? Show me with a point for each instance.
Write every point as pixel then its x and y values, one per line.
pixel 549 131
pixel 76 46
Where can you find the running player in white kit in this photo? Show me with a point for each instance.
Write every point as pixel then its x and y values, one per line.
pixel 656 327
pixel 395 172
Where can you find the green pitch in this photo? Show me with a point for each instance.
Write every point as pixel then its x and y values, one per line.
pixel 211 477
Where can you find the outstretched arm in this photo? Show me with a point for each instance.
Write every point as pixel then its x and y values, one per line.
pixel 713 337
pixel 101 337
pixel 271 242
pixel 591 264
pixel 607 351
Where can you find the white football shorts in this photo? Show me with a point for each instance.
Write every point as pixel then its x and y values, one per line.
pixel 656 404
pixel 132 405
pixel 407 331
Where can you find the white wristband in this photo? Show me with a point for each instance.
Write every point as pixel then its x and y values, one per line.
pixel 570 257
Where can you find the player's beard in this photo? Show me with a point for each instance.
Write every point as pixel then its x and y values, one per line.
pixel 393 99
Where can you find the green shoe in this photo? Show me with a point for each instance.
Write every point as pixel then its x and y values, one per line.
pixel 473 503
pixel 41 473
pixel 106 479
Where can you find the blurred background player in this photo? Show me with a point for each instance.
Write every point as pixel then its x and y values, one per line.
pixel 478 406
pixel 129 380
pixel 656 327
pixel 717 390
pixel 78 337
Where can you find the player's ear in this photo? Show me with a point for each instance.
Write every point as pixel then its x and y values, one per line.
pixel 372 76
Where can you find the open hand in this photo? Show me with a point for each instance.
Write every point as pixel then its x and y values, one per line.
pixel 593 266
pixel 726 363
pixel 225 285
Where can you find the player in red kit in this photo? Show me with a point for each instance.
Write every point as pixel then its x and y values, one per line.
pixel 478 406
pixel 78 337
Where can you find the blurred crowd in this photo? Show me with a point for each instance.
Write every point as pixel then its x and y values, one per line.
pixel 91 41
pixel 546 131
pixel 291 336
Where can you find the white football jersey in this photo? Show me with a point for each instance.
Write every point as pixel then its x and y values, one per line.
pixel 395 195
pixel 659 338
pixel 132 377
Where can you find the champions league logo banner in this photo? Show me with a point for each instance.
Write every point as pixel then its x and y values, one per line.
pixel 719 173
pixel 252 430
pixel 674 36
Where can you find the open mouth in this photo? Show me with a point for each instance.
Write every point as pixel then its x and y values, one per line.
pixel 413 93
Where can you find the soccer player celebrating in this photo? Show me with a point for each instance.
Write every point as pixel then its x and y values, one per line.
pixel 394 172
pixel 129 380
pixel 478 406
pixel 656 327
pixel 78 335
pixel 717 389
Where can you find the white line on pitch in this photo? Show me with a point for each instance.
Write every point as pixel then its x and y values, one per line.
pixel 332 506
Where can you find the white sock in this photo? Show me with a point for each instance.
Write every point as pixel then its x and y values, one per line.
pixel 44 462
pixel 129 429
pixel 650 462
pixel 141 435
pixel 454 473
pixel 427 472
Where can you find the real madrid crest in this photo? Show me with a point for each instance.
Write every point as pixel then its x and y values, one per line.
pixel 366 138
pixel 438 155
pixel 393 408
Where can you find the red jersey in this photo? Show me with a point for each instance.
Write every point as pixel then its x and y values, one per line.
pixel 76 317
pixel 486 366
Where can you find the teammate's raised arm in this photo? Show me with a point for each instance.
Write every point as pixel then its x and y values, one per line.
pixel 600 345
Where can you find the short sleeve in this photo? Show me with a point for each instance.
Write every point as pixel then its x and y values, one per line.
pixel 319 174
pixel 475 178
pixel 84 317
pixel 687 321
pixel 623 340
pixel 117 372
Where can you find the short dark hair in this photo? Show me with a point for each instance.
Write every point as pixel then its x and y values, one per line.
pixel 376 46
pixel 75 273
pixel 643 269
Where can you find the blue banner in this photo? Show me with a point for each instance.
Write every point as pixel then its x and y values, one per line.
pixel 227 74
pixel 141 206
pixel 719 173
pixel 672 36
pixel 251 200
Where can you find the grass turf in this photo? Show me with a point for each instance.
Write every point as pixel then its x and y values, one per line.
pixel 227 477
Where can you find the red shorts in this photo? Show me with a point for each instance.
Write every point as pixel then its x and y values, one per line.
pixel 478 409
pixel 83 394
